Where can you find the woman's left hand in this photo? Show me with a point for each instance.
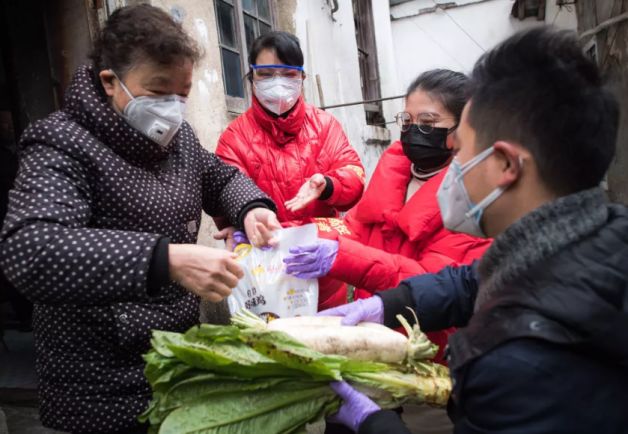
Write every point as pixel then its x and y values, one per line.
pixel 259 225
pixel 309 192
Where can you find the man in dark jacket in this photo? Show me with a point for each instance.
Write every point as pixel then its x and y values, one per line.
pixel 543 316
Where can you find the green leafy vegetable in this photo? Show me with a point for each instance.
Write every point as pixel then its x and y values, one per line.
pixel 245 378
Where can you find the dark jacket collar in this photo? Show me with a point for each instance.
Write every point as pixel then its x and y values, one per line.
pixel 538 236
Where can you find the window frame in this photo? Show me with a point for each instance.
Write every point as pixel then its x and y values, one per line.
pixel 238 105
pixel 367 47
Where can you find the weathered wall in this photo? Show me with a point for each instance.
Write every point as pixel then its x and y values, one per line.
pixel 386 48
pixel 426 37
pixel 457 37
pixel 612 55
pixel 284 15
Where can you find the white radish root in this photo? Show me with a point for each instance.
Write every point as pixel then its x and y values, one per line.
pixel 367 342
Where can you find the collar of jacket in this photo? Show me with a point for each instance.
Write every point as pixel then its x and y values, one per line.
pixel 281 129
pixel 87 104
pixel 538 236
pixel 558 274
pixel 383 200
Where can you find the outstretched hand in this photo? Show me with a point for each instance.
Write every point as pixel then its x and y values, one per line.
pixel 308 193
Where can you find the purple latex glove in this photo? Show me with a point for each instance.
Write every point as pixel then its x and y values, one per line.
pixel 367 309
pixel 355 408
pixel 240 237
pixel 312 261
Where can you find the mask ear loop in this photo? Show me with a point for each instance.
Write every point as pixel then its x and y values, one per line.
pixel 466 167
pixel 126 90
pixel 493 195
pixel 484 203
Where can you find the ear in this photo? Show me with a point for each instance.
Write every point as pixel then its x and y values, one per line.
pixel 106 79
pixel 509 161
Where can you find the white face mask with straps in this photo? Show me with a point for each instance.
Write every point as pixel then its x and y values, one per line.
pixel 157 117
pixel 278 94
pixel 458 212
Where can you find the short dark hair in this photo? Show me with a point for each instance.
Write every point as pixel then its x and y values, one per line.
pixel 451 88
pixel 284 44
pixel 538 89
pixel 141 33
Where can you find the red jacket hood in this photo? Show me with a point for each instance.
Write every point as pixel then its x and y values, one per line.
pixel 420 217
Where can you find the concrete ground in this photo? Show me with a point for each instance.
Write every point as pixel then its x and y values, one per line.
pixel 423 419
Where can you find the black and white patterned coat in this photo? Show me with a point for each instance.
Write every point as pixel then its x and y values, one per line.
pixel 92 199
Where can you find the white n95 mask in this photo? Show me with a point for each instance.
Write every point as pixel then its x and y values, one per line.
pixel 157 117
pixel 278 94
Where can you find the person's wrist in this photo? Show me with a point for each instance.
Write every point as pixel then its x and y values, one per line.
pixel 328 189
pixel 246 210
pixel 363 416
pixel 176 252
pixel 378 308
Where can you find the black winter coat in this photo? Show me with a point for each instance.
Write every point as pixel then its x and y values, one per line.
pixel 92 199
pixel 547 349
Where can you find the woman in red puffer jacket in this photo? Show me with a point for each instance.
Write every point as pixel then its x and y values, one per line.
pixel 297 154
pixel 396 230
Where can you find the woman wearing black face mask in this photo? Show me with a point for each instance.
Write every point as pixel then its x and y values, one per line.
pixel 396 230
pixel 424 137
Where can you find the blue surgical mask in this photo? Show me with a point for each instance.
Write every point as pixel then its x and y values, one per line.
pixel 458 212
pixel 157 117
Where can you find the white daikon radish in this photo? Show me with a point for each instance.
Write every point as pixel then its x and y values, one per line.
pixel 366 341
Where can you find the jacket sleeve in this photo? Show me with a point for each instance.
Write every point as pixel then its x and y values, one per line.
pixel 227 192
pixel 442 300
pixel 47 250
pixel 370 268
pixel 345 172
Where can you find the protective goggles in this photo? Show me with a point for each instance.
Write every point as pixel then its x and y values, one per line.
pixel 263 72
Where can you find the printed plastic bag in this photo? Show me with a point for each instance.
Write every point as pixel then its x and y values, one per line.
pixel 266 289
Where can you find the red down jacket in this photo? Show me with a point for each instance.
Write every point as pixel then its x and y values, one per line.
pixel 383 241
pixel 280 154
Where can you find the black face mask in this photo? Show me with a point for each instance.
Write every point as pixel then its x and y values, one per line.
pixel 428 152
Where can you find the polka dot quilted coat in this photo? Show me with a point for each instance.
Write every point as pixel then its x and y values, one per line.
pixel 91 200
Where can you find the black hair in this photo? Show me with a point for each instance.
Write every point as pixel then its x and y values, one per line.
pixel 284 44
pixel 539 90
pixel 141 33
pixel 451 88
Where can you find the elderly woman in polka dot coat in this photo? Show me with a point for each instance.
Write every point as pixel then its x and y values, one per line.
pixel 103 219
